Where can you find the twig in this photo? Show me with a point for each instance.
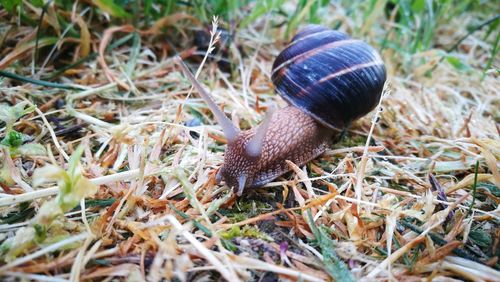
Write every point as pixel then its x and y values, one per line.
pixel 358 188
pixel 440 241
pixel 224 270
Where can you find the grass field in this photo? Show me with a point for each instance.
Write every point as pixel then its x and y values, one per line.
pixel 108 157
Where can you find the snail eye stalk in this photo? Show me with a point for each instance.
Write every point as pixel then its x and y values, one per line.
pixel 230 130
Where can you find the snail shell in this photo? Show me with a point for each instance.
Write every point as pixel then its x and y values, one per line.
pixel 330 76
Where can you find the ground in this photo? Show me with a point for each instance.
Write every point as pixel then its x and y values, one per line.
pixel 108 157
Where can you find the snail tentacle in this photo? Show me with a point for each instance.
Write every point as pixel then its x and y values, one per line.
pixel 255 145
pixel 230 130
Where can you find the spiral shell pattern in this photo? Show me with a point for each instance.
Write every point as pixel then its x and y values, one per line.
pixel 330 76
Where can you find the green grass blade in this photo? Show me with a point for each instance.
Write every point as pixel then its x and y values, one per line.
pixel 337 269
pixel 38 82
pixel 134 53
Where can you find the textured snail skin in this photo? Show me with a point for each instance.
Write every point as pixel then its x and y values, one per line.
pixel 292 135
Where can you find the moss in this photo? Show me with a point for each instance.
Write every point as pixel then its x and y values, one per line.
pixel 245 209
pixel 350 141
pixel 237 217
pixel 247 231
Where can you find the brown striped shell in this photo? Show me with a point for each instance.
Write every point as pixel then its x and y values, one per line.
pixel 330 76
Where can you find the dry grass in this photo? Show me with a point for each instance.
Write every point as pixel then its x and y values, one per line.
pixel 403 203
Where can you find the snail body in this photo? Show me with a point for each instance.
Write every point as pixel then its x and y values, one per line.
pixel 328 80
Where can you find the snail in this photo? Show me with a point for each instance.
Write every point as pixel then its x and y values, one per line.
pixel 328 80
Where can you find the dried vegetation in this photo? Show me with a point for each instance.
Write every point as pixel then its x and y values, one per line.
pixel 108 158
